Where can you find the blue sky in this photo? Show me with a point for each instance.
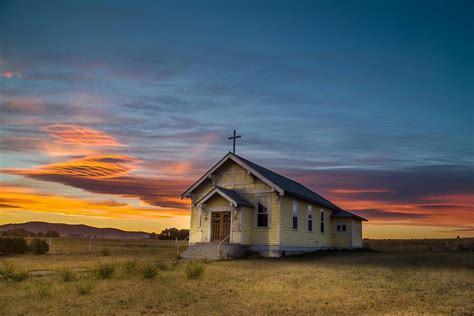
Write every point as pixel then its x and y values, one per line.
pixel 367 87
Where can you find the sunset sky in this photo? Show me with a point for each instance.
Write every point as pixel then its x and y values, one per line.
pixel 110 109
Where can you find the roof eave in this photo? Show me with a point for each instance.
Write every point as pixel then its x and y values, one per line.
pixel 186 193
pixel 217 190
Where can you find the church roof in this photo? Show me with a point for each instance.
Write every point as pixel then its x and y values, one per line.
pixel 230 195
pixel 280 183
pixel 292 187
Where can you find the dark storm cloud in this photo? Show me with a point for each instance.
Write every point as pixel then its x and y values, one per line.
pixel 405 185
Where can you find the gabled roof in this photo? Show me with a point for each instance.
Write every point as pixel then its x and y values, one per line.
pixel 289 186
pixel 239 161
pixel 235 198
pixel 279 183
pixel 345 214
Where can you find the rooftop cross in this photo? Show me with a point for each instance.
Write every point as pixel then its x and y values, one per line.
pixel 234 139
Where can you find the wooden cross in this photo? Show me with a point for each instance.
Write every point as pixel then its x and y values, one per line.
pixel 233 139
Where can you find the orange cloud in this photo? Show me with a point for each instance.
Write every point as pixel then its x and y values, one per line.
pixel 108 174
pixel 453 211
pixel 83 136
pixel 15 200
pixel 104 166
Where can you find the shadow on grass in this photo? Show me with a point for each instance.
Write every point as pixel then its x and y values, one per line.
pixel 367 257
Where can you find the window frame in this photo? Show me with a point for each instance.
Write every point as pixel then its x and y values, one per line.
pixel 310 218
pixel 322 227
pixel 294 215
pixel 341 228
pixel 257 202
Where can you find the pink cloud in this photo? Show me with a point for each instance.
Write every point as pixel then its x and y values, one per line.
pixel 83 136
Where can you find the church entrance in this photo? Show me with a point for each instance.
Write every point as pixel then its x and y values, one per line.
pixel 220 226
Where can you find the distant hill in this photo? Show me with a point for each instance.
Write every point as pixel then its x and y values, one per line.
pixel 77 230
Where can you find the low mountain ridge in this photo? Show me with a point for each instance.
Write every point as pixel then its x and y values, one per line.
pixel 77 230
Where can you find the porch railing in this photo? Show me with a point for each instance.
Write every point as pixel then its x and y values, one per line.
pixel 178 245
pixel 219 246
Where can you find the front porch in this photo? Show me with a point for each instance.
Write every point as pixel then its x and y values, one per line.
pixel 222 217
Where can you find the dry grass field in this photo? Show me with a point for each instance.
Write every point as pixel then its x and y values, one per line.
pixel 421 245
pixel 67 281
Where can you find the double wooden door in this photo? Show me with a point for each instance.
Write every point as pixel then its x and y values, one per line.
pixel 220 226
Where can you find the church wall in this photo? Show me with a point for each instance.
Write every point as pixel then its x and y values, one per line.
pixel 201 190
pixel 342 239
pixel 266 235
pixel 232 176
pixel 217 201
pixel 301 237
pixel 280 236
pixel 195 232
pixel 356 233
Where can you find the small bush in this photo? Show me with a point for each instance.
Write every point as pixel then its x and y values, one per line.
pixel 105 252
pixel 39 246
pixel 8 273
pixel 105 271
pixel 67 275
pixel 195 269
pixel 84 288
pixel 149 271
pixel 131 266
pixel 13 246
pixel 44 289
pixel 167 277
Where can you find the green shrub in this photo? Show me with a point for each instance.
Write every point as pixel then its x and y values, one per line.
pixel 105 271
pixel 39 246
pixel 13 246
pixel 105 252
pixel 67 275
pixel 131 266
pixel 84 288
pixel 7 272
pixel 149 271
pixel 195 269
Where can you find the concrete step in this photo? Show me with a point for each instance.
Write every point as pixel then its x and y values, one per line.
pixel 209 251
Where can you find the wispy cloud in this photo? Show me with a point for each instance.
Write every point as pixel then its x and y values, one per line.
pixel 108 174
pixel 11 75
pixel 107 166
pixel 79 135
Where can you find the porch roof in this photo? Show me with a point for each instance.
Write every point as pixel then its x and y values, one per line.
pixel 232 196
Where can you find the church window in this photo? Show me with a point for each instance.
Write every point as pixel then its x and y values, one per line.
pixel 322 221
pixel 262 211
pixel 295 214
pixel 310 218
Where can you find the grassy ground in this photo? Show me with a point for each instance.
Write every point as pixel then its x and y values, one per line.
pixel 421 245
pixel 324 283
